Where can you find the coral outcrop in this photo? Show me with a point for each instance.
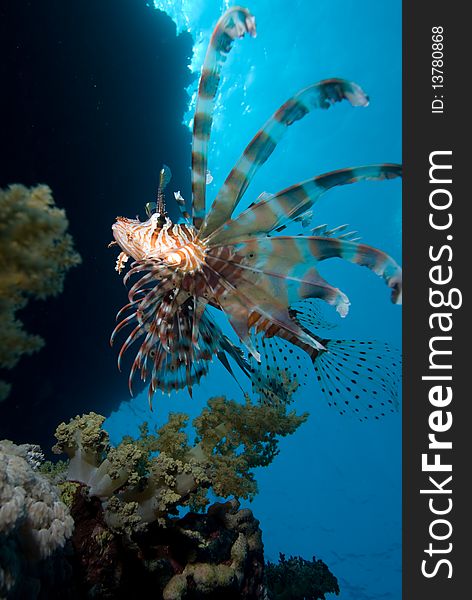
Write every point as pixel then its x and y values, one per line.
pixel 213 555
pixel 34 523
pixel 123 500
pixel 106 523
pixel 35 253
pixel 148 479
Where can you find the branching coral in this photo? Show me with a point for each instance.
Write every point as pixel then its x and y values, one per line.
pixel 35 254
pixel 237 438
pixel 33 521
pixel 147 479
pixel 125 498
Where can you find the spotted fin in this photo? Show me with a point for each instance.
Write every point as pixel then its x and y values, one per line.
pixel 359 377
pixel 319 95
pixel 356 378
pixel 294 202
pixel 309 314
pixel 282 369
pixel 235 23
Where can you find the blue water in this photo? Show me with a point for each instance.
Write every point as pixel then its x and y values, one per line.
pixel 334 491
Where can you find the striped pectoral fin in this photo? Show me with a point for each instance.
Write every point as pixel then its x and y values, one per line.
pixel 296 255
pixel 379 262
pixel 259 304
pixel 225 297
pixel 295 201
pixel 123 323
pixel 135 334
pixel 238 309
pixel 315 286
pixel 143 325
pixel 319 95
pixel 235 23
pixel 284 277
pixel 238 316
pixel 199 306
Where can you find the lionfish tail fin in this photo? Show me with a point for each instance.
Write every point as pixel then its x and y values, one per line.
pixel 318 95
pixel 360 378
pixel 235 23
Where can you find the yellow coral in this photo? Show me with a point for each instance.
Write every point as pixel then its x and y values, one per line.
pixel 140 487
pixel 237 438
pixel 35 254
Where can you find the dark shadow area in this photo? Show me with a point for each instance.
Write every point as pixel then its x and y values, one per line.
pixel 93 95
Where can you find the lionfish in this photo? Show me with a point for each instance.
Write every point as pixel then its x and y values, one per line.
pixel 266 284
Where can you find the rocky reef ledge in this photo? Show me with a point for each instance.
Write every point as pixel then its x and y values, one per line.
pixel 213 555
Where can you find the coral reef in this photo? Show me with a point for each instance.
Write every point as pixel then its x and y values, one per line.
pixel 144 480
pixel 213 555
pixel 299 579
pixel 105 523
pixel 34 523
pixel 35 254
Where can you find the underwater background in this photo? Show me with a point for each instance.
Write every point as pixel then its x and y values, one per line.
pixel 97 97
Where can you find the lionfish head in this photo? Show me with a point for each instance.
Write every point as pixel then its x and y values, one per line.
pixel 128 236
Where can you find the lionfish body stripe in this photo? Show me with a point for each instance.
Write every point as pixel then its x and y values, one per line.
pixel 265 284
